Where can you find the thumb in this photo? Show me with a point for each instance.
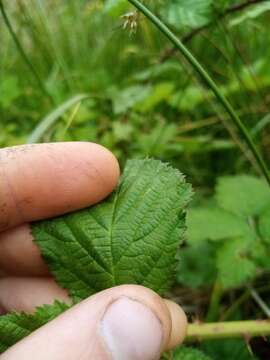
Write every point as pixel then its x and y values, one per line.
pixel 128 322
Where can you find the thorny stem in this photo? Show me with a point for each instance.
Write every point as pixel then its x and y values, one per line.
pixel 22 52
pixel 207 79
pixel 230 329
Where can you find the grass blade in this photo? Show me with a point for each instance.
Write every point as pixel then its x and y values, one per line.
pixel 52 118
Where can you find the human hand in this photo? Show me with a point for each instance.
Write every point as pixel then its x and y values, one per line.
pixel 128 322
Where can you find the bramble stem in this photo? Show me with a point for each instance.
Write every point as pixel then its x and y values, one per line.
pixel 207 79
pixel 230 329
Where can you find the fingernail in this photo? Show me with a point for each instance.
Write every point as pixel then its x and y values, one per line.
pixel 131 331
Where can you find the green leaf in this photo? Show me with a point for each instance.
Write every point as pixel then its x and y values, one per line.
pixel 132 237
pixel 250 14
pixel 233 263
pixel 264 225
pixel 16 326
pixel 129 97
pixel 243 195
pixel 228 349
pixel 260 253
pixel 187 13
pixel 213 223
pixel 116 8
pixel 122 131
pixel 160 92
pixel 188 353
pixel 197 265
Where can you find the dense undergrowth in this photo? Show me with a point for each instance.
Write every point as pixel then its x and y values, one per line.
pixel 143 99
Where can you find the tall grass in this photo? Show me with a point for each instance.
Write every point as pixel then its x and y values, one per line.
pixel 76 47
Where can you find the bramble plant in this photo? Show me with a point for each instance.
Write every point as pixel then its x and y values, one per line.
pixel 131 237
pixel 134 235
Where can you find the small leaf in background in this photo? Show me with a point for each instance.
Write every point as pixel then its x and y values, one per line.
pixel 116 8
pixel 128 97
pixel 16 326
pixel 187 13
pixel 250 14
pixel 159 93
pixel 188 99
pixel 122 131
pixel 213 223
pixel 189 353
pixel 243 195
pixel 197 265
pixel 264 225
pixel 130 238
pixel 233 263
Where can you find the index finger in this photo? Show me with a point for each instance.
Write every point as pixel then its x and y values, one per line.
pixel 44 180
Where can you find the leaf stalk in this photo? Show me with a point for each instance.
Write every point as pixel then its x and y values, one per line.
pixel 230 329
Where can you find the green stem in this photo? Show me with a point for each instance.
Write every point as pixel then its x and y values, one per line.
pixel 208 80
pixel 231 329
pixel 22 52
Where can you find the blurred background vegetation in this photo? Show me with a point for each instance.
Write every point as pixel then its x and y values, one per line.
pixel 91 78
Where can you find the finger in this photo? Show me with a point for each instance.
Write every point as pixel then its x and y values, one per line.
pixel 25 294
pixel 178 333
pixel 127 322
pixel 19 255
pixel 44 180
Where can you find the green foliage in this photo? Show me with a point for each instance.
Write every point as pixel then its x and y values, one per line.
pixel 215 224
pixel 116 8
pixel 251 14
pixel 9 91
pixel 188 353
pixel 188 13
pixel 16 326
pixel 233 263
pixel 132 237
pixel 227 349
pixel 223 241
pixel 144 101
pixel 264 225
pixel 197 265
pixel 243 195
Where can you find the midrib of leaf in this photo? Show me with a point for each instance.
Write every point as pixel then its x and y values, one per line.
pixel 138 200
pixel 111 235
pixel 122 195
